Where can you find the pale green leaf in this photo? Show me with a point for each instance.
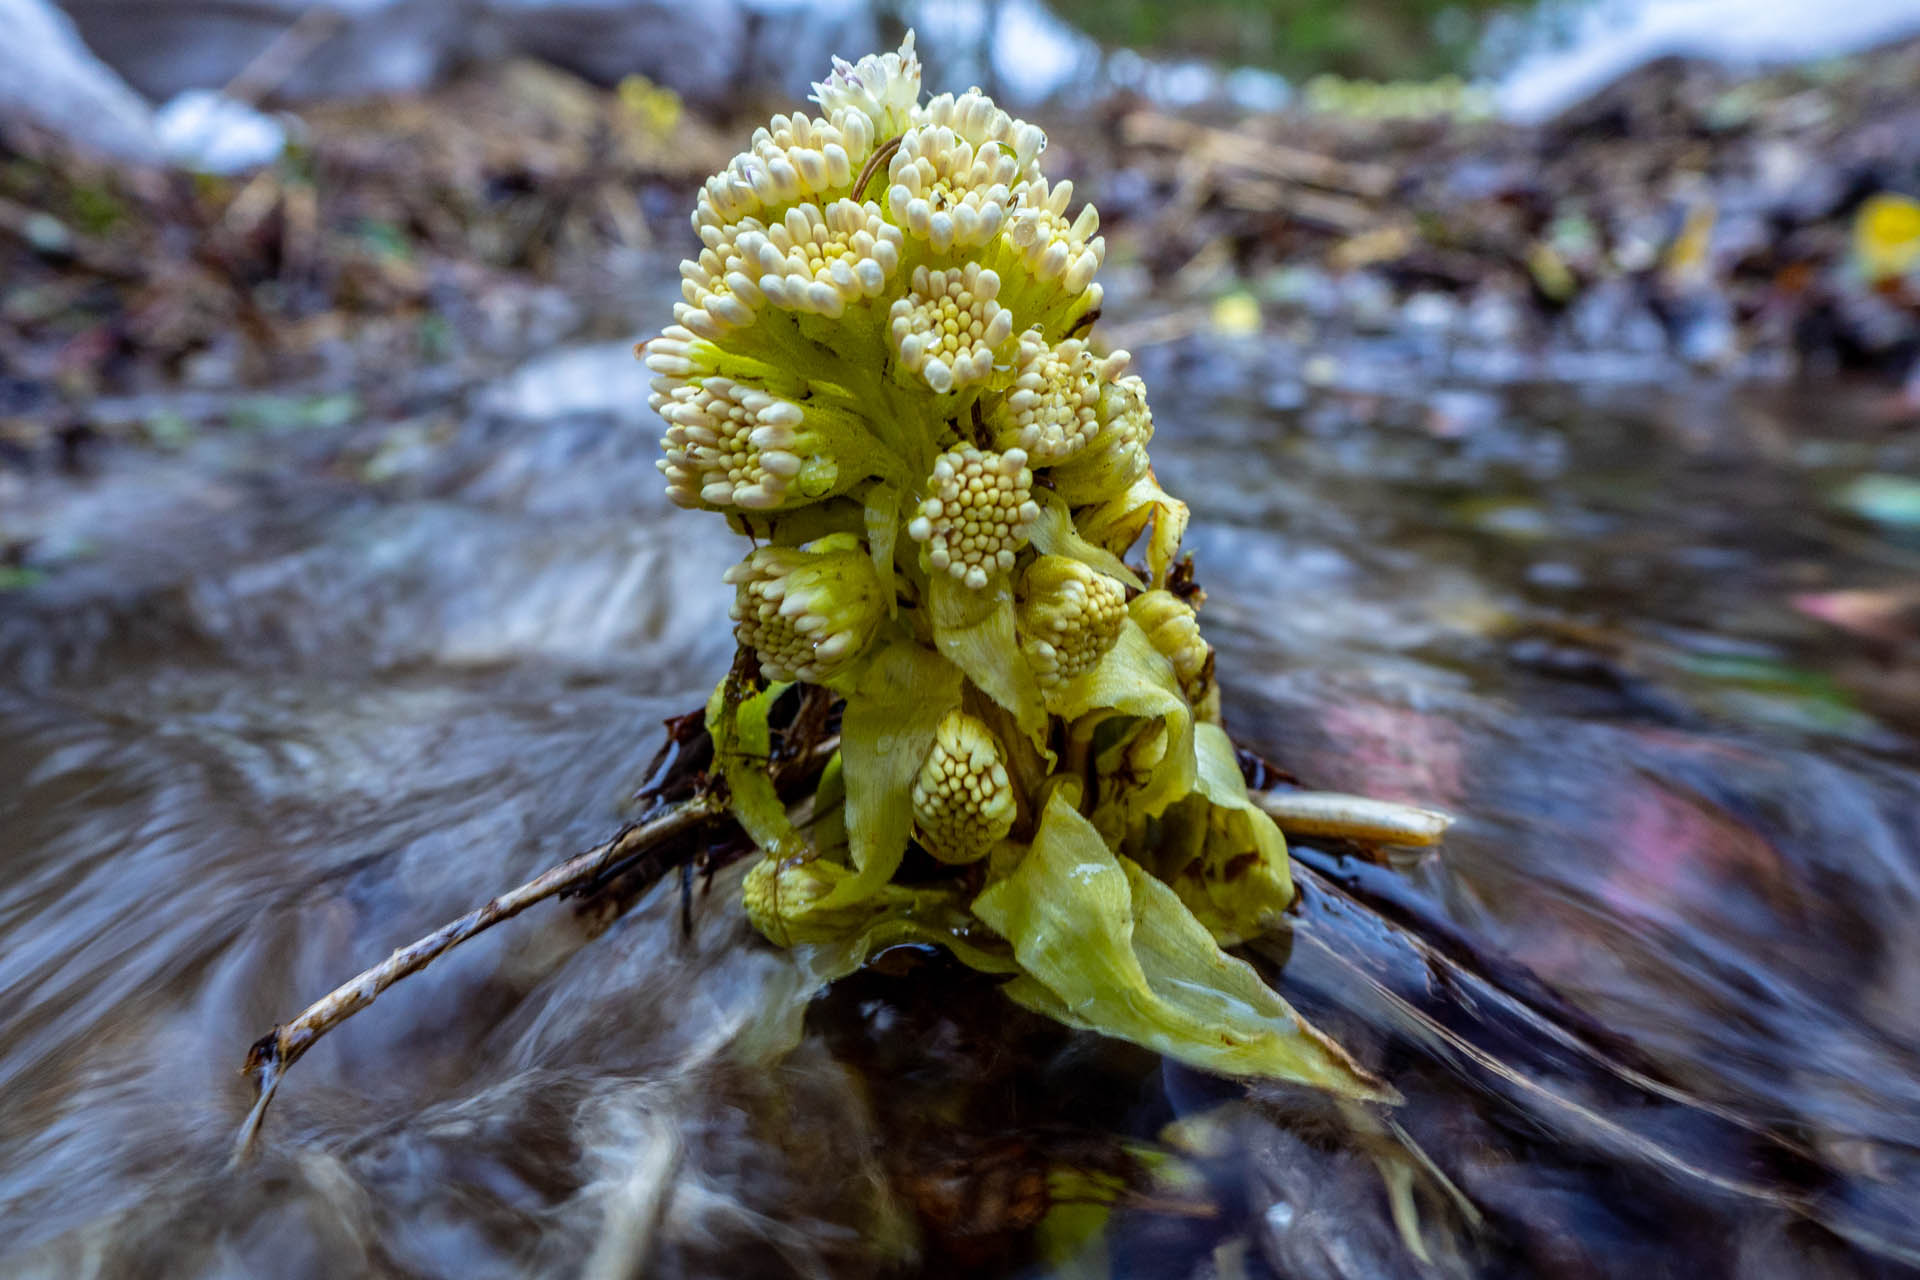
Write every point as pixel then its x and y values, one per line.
pixel 1133 680
pixel 974 628
pixel 885 734
pixel 1054 535
pixel 883 527
pixel 1117 523
pixel 1107 947
pixel 743 747
pixel 1240 886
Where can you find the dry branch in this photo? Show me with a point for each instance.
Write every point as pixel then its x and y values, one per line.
pixel 271 1055
pixel 1226 149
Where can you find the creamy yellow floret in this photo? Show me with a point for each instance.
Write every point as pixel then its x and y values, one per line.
pixel 948 328
pixel 1070 616
pixel 1052 410
pixel 718 287
pixel 819 260
pixel 791 158
pixel 946 192
pixel 729 445
pixel 973 116
pixel 978 513
pixel 1174 629
pixel 962 798
pixel 806 612
pixel 1052 247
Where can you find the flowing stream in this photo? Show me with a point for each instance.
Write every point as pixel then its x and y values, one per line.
pixel 302 695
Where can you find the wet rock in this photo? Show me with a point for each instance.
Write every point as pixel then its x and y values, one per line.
pixel 50 80
pixel 209 132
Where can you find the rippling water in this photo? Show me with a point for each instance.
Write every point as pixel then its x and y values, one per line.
pixel 1656 1006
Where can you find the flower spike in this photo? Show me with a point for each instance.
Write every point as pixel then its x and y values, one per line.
pixel 807 613
pixel 949 327
pixel 1070 616
pixel 963 800
pixel 941 503
pixel 978 514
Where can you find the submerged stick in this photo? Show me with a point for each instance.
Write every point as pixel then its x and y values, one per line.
pixel 1329 813
pixel 271 1055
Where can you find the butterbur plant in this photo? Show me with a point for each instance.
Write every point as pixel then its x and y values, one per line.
pixel 883 374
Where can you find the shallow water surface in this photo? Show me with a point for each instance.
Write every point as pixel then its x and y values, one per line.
pixel 1655 1006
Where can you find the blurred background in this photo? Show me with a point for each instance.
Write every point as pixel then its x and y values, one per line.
pixel 1544 378
pixel 223 194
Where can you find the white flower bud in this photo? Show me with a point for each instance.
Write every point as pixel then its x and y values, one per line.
pixel 884 87
pixel 809 612
pixel 978 513
pixel 948 328
pixel 1070 615
pixel 963 799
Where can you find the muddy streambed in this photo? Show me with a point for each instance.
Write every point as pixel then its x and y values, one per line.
pixel 296 694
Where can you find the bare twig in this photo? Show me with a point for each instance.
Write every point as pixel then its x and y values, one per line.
pixel 282 57
pixel 1328 813
pixel 271 1056
pixel 1217 149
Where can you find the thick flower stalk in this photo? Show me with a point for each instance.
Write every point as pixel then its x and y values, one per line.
pixel 882 370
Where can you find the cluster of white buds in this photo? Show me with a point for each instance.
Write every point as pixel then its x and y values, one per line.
pixel 1052 247
pixel 950 327
pixel 718 286
pixel 1052 410
pixel 963 800
pixel 884 87
pixel 729 445
pixel 978 513
pixel 791 158
pixel 974 116
pixel 806 612
pixel 1117 455
pixel 946 192
pixel 1070 615
pixel 819 261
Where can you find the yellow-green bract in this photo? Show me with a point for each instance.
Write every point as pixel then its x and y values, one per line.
pixel 881 372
